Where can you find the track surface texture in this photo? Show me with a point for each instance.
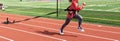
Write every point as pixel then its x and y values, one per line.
pixel 28 28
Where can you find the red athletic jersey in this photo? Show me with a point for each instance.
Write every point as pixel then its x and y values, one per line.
pixel 74 6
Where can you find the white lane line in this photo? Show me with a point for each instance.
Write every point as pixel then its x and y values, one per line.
pixel 6 38
pixel 117 8
pixel 32 33
pixel 73 22
pixel 83 34
pixel 102 10
pixel 54 19
pixel 112 27
pixel 99 25
pixel 75 26
pixel 95 5
pixel 67 31
pixel 103 19
pixel 52 23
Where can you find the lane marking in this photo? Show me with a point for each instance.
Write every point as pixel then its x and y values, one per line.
pixel 102 10
pixel 60 20
pixel 6 38
pixel 75 22
pixel 67 31
pixel 32 33
pixel 75 26
pixel 95 5
pixel 85 28
pixel 103 19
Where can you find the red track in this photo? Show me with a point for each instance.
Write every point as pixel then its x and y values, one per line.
pixel 45 29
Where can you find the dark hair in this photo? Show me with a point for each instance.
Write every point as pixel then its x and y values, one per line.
pixel 1 4
pixel 70 0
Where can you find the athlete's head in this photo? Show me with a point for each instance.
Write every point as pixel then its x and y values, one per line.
pixel 70 0
pixel 73 0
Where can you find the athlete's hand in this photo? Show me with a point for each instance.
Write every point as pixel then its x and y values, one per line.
pixel 84 3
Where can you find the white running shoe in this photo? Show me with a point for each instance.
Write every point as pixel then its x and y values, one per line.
pixel 61 33
pixel 82 30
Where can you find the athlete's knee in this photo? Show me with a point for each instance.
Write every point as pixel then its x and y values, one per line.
pixel 80 17
pixel 66 23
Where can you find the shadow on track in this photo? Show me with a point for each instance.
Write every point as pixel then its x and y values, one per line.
pixel 14 21
pixel 46 32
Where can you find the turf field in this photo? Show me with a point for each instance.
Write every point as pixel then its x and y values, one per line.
pixel 97 11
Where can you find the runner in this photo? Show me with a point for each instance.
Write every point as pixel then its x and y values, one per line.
pixel 73 10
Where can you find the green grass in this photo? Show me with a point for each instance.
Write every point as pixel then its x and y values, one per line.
pixel 103 11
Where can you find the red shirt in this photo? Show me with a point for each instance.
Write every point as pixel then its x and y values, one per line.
pixel 74 5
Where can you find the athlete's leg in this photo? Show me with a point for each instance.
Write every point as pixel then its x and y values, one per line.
pixel 64 25
pixel 79 17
